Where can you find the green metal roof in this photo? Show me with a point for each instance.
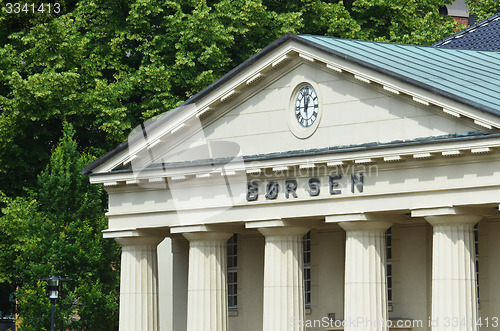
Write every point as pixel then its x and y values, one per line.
pixel 470 77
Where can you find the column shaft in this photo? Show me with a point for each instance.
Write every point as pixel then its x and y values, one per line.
pixel 365 296
pixel 139 284
pixel 454 297
pixel 284 307
pixel 207 284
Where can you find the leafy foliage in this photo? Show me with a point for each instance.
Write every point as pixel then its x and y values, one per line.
pixel 56 230
pixel 484 8
pixel 402 21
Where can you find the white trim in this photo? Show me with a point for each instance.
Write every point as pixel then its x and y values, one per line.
pixel 451 112
pixel 394 158
pixel 306 57
pixel 334 68
pixel 280 61
pixel 258 77
pixel 482 123
pixel 421 101
pixel 390 89
pixel 362 79
pixel 204 112
pixel 230 95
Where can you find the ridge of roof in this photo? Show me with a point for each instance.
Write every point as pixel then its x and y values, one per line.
pixel 486 36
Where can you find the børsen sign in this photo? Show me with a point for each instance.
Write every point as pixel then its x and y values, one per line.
pixel 273 189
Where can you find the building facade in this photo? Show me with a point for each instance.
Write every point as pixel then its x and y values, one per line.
pixel 459 10
pixel 323 184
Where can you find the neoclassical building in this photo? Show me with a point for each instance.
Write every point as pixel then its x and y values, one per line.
pixel 323 184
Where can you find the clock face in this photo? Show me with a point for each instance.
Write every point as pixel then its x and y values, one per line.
pixel 306 106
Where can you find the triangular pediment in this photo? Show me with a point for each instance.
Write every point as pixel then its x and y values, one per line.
pixel 251 112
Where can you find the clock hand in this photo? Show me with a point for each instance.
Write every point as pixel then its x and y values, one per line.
pixel 306 106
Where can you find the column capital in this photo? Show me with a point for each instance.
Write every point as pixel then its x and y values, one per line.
pixel 453 210
pixel 207 236
pixel 139 241
pixel 203 228
pixel 453 219
pixel 365 225
pixel 284 231
pixel 365 217
pixel 450 215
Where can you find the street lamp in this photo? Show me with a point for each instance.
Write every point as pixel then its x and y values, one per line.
pixel 54 285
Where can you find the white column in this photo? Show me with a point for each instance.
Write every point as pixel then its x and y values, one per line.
pixel 139 284
pixel 284 306
pixel 365 284
pixel 454 297
pixel 207 284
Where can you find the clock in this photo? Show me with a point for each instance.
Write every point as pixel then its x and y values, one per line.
pixel 306 106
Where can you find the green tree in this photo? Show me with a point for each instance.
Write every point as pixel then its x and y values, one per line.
pixel 48 77
pixel 57 231
pixel 484 8
pixel 402 21
pixel 18 215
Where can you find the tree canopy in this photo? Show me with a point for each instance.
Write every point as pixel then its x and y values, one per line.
pixel 74 83
pixel 484 8
pixel 56 231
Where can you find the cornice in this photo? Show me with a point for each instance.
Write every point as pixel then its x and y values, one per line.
pixel 397 154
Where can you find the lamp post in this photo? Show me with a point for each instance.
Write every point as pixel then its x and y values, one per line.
pixel 54 285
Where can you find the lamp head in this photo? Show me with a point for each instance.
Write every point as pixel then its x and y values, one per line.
pixel 54 285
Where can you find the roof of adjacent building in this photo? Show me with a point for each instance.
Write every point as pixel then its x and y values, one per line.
pixel 484 35
pixel 466 76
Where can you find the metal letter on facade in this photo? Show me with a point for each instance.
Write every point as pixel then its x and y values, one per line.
pixel 357 182
pixel 272 190
pixel 334 184
pixel 313 187
pixel 252 191
pixel 290 187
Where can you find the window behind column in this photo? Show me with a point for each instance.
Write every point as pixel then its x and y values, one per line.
pixel 232 272
pixel 307 269
pixel 388 245
pixel 476 249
